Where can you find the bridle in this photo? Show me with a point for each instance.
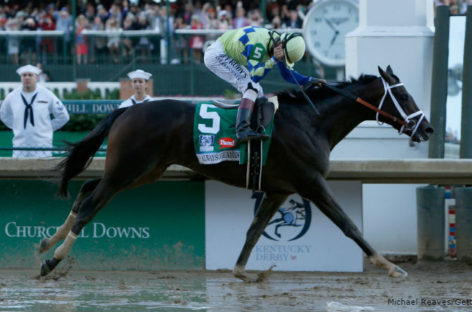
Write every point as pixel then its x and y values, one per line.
pixel 409 122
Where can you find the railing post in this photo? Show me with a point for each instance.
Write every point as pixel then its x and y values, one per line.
pixel 439 82
pixel 431 222
pixel 466 124
pixel 463 223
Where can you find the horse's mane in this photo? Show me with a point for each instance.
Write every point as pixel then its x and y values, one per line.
pixel 294 96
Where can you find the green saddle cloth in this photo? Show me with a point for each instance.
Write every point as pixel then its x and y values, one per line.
pixel 214 135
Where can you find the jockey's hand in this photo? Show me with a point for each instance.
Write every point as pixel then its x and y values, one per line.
pixel 279 52
pixel 313 82
pixel 316 81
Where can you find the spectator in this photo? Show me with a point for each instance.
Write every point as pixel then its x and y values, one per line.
pixel 102 13
pixel 46 45
pixel 81 46
pixel 13 41
pixel 28 44
pixel 224 20
pixel 210 21
pixel 64 23
pixel 113 39
pixel 139 79
pixel 255 18
pixel 295 21
pixel 276 23
pixel 181 41
pixel 43 75
pixel 196 42
pixel 115 13
pixel 99 42
pixel 27 111
pixel 188 13
pixel 144 45
pixel 285 15
pixel 90 13
pixel 240 21
pixel 157 25
pixel 128 43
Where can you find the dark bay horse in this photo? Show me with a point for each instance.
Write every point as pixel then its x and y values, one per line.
pixel 145 139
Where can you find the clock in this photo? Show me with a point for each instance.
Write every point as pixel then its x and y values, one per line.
pixel 325 27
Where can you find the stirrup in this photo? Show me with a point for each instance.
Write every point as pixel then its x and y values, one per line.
pixel 252 136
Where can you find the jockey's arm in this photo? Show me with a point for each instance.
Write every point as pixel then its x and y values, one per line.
pixel 259 70
pixel 285 72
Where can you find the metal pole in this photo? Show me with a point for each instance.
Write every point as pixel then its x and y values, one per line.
pixel 168 30
pixel 466 125
pixel 263 10
pixel 73 39
pixel 439 83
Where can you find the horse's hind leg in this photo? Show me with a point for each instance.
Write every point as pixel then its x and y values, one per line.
pixel 266 211
pixel 62 231
pixel 99 197
pixel 88 209
pixel 318 192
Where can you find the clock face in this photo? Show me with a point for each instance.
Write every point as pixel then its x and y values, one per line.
pixel 325 27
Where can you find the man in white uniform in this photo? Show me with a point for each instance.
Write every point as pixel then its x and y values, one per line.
pixel 27 111
pixel 139 79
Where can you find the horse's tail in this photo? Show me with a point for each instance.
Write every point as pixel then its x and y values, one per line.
pixel 80 154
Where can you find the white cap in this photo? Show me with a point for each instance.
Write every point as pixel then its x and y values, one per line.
pixel 139 74
pixel 28 69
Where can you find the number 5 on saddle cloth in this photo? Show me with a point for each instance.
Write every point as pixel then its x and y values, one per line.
pixel 214 136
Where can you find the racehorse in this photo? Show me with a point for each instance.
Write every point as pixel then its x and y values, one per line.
pixel 143 140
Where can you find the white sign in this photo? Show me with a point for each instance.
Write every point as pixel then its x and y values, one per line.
pixel 298 238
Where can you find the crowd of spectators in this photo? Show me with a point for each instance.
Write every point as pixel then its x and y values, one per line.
pixel 111 17
pixel 135 15
pixel 456 6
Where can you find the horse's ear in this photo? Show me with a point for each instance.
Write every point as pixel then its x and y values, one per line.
pixel 383 73
pixel 389 70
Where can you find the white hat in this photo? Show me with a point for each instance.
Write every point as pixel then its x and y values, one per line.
pixel 139 74
pixel 28 69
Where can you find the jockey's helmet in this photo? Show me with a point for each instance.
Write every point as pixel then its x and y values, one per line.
pixel 294 47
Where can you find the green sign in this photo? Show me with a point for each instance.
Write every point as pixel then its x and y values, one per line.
pixel 91 106
pixel 154 227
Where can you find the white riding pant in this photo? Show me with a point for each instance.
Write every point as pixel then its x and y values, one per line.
pixel 227 69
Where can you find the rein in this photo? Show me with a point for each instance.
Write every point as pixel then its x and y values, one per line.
pixel 357 99
pixel 408 122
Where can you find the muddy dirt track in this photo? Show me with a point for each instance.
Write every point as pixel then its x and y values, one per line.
pixel 440 286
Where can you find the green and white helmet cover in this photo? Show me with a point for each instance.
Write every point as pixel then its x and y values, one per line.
pixel 294 47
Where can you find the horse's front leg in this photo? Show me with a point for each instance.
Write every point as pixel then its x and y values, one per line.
pixel 317 190
pixel 64 229
pixel 266 211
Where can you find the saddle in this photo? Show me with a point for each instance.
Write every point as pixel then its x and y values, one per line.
pixel 264 110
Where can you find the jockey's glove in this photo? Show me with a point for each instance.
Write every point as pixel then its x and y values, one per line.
pixel 314 82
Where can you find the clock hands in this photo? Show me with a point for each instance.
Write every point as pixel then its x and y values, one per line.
pixel 330 24
pixel 334 37
pixel 336 32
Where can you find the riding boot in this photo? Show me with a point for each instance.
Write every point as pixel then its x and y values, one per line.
pixel 244 132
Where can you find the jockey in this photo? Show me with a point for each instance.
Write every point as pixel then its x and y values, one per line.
pixel 243 57
pixel 139 79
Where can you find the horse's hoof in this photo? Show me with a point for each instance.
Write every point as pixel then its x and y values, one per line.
pixel 396 271
pixel 48 266
pixel 43 245
pixel 242 275
pixel 264 276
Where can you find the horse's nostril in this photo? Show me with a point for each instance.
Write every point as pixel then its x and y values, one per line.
pixel 429 130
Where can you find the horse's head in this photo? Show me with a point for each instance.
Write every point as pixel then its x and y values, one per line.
pixel 397 102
